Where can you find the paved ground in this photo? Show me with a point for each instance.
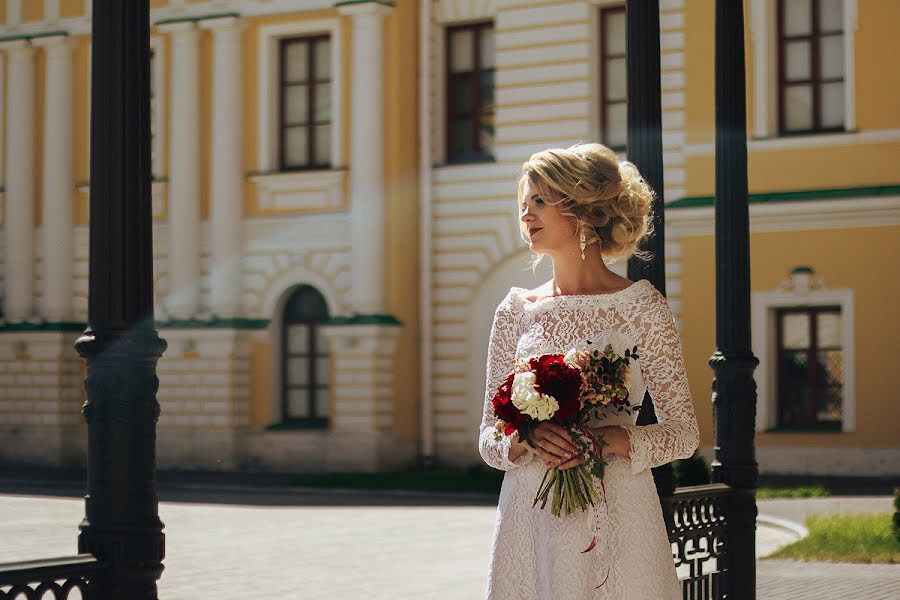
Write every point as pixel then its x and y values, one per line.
pixel 229 542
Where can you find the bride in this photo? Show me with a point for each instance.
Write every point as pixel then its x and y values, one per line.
pixel 582 208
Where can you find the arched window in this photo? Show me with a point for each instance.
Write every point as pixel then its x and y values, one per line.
pixel 305 394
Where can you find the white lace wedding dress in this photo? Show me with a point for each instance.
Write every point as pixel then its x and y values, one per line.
pixel 537 556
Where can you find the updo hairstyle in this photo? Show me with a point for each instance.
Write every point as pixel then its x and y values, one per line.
pixel 610 200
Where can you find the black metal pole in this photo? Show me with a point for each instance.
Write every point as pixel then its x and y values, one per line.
pixel 121 525
pixel 645 150
pixel 734 390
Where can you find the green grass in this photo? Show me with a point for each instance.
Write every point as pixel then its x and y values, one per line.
pixel 438 479
pixel 846 538
pixel 806 491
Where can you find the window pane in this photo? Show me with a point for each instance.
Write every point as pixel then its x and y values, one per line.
pixel 322 106
pixel 616 134
pixel 616 79
pixel 798 108
pixel 614 42
pixel 486 133
pixel 296 152
pixel 797 61
pixel 486 49
pixel 296 59
pixel 460 96
pixel 297 371
pixel 462 58
pixel 297 339
pixel 793 392
pixel 795 331
pixel 831 15
pixel 797 17
pixel 298 403
pixel 296 107
pixel 828 330
pixel 323 402
pixel 487 90
pixel 832 57
pixel 833 105
pixel 830 386
pixel 323 364
pixel 322 54
pixel 323 144
pixel 462 144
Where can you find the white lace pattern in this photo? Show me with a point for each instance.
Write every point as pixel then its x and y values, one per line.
pixel 536 556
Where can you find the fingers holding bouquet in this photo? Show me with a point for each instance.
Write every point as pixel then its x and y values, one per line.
pixel 548 401
pixel 553 444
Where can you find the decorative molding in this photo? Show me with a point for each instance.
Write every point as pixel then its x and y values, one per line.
pixel 267 80
pixel 301 191
pixel 799 292
pixel 449 12
pixel 794 216
pixel 800 142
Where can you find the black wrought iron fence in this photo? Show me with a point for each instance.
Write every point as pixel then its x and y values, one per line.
pixel 698 523
pixel 65 578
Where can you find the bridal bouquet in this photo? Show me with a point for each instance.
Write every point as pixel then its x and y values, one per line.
pixel 570 390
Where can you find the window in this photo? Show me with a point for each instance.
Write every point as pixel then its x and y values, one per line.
pixel 811 66
pixel 613 78
pixel 809 367
pixel 305 103
pixel 154 118
pixel 470 92
pixel 305 372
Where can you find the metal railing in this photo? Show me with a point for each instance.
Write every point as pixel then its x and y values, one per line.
pixel 698 522
pixel 64 578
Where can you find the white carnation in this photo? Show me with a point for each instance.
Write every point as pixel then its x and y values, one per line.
pixel 530 401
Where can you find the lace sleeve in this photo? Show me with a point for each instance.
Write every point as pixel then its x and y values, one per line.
pixel 500 362
pixel 662 366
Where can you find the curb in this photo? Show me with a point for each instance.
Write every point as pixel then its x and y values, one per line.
pixel 795 529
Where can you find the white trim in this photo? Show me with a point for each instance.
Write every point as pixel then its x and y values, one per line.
pixel 763 332
pixel 426 404
pixel 2 123
pixel 763 21
pixel 157 44
pixel 881 211
pixel 850 138
pixel 267 98
pixel 303 190
pixel 51 11
pixel 13 12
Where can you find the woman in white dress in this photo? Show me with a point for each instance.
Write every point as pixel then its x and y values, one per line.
pixel 583 208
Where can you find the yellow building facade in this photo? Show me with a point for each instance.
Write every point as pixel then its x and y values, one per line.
pixel 285 231
pixel 334 187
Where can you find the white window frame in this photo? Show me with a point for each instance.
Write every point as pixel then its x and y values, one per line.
pixel 446 15
pixel 764 306
pixel 596 102
pixel 764 48
pixel 267 105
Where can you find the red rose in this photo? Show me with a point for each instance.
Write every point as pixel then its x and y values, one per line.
pixel 504 408
pixel 555 378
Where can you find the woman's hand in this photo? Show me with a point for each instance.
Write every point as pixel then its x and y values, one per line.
pixel 554 445
pixel 616 438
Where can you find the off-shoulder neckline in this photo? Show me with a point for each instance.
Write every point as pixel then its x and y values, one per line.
pixel 609 295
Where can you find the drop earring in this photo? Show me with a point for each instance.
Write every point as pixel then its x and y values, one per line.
pixel 582 239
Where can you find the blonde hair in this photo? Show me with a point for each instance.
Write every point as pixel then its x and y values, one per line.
pixel 609 199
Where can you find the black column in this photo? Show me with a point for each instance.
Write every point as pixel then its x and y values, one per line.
pixel 645 150
pixel 734 390
pixel 121 525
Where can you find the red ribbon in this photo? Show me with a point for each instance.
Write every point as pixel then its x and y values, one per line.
pixel 598 449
